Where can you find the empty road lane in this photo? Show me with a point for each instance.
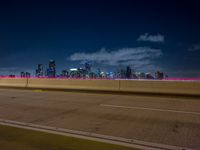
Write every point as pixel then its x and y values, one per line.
pixel 164 120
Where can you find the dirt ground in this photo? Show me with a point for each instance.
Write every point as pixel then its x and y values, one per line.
pixel 165 120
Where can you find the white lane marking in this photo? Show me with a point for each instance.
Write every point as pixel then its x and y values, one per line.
pixel 153 109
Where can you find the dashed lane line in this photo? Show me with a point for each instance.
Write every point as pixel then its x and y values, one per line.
pixel 151 109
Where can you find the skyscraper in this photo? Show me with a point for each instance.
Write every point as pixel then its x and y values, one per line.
pixel 28 75
pixel 23 75
pixel 159 75
pixel 64 73
pixel 128 72
pixel 87 67
pixel 51 71
pixel 40 71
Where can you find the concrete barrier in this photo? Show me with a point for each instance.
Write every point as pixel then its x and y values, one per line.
pixel 132 86
pixel 160 87
pixel 78 84
pixel 13 82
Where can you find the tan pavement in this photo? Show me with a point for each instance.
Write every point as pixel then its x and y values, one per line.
pixel 164 120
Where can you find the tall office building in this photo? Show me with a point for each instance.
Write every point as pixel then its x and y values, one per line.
pixel 23 75
pixel 51 71
pixel 40 71
pixel 122 73
pixel 64 73
pixel 28 75
pixel 87 67
pixel 128 72
pixel 159 75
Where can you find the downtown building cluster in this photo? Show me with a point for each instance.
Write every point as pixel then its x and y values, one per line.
pixel 49 72
pixel 87 73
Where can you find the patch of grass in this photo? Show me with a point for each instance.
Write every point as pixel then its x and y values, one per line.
pixel 12 138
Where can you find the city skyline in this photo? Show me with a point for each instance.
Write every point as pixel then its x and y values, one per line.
pixel 86 72
pixel 148 36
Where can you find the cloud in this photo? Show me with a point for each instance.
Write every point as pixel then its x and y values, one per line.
pixel 151 38
pixel 137 57
pixel 195 47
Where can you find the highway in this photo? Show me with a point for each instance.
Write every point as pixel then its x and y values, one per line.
pixel 164 120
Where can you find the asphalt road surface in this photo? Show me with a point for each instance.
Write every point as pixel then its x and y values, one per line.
pixel 157 119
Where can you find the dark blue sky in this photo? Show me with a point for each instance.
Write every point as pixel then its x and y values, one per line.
pixel 149 35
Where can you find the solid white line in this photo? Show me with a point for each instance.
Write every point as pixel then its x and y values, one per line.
pixel 152 109
pixel 92 136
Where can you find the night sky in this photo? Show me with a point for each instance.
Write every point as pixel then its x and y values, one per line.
pixel 111 34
